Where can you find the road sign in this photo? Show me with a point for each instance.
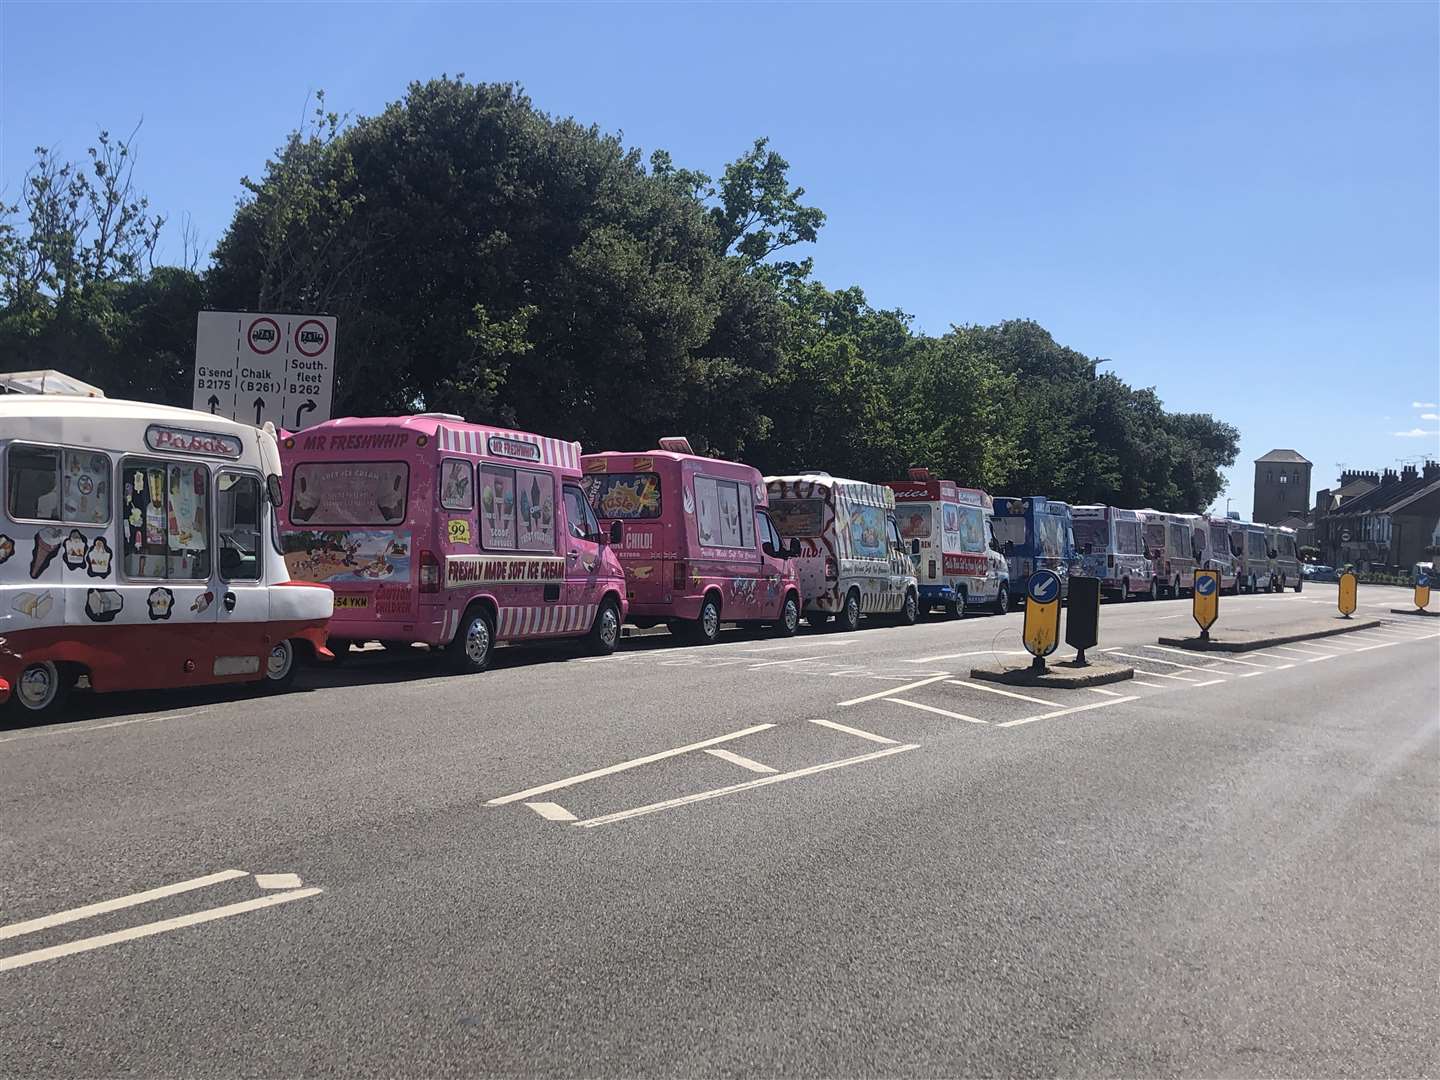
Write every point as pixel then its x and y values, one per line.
pixel 1345 535
pixel 1042 614
pixel 1348 585
pixel 1082 615
pixel 1422 593
pixel 253 367
pixel 1205 603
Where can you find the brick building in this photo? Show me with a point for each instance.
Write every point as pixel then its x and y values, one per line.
pixel 1282 486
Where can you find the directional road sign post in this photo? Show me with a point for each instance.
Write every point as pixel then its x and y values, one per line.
pixel 1348 586
pixel 254 367
pixel 1205 604
pixel 1422 590
pixel 1082 617
pixel 1042 616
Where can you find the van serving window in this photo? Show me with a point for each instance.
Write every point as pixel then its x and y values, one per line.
pixel 349 493
pixel 797 517
pixel 627 496
pixel 167 519
pixel 915 521
pixel 47 483
pixel 517 509
pixel 457 486
pixel 724 513
pixel 1177 541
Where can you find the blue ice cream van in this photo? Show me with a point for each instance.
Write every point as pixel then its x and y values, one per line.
pixel 1035 533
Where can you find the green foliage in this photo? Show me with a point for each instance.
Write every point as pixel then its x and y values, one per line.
pixel 485 258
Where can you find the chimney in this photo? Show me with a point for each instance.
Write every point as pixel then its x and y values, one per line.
pixel 1432 470
pixel 1407 474
pixel 1387 478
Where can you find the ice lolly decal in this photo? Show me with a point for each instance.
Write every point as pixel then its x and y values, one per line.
pixel 47 546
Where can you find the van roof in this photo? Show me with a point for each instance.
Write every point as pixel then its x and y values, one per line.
pixel 462 437
pixel 665 455
pixel 67 407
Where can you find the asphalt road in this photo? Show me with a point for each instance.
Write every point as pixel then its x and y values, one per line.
pixel 1224 867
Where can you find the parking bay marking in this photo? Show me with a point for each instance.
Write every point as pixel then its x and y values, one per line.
pixel 104 907
pixel 1210 656
pixel 960 655
pixel 933 709
pixel 897 689
pixel 737 759
pixel 179 922
pixel 836 726
pixel 1158 660
pixel 1066 712
pixel 595 774
pixel 748 785
pixel 551 811
pixel 1004 693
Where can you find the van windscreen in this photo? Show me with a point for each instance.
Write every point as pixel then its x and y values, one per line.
pixel 1094 532
pixel 626 496
pixel 797 517
pixel 349 493
pixel 1009 529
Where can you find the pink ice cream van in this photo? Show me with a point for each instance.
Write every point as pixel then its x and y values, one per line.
pixel 699 546
pixel 430 529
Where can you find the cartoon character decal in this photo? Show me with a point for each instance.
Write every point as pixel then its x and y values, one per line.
pixel 640 573
pixel 742 589
pixel 7 548
pixel 98 558
pixel 47 546
pixel 161 602
pixel 74 550
pixel 689 503
pixel 102 605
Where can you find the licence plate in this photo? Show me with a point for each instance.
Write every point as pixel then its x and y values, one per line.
pixel 352 601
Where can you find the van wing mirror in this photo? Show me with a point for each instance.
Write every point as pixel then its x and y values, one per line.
pixel 617 532
pixel 272 489
pixel 792 549
pixel 1009 548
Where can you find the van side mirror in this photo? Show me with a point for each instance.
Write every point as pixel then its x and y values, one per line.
pixel 272 489
pixel 617 532
pixel 792 549
pixel 1009 548
pixel 914 547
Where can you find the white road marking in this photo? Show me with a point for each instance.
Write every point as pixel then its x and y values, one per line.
pixel 748 785
pixel 1251 674
pixel 1159 660
pixel 854 731
pixel 1382 645
pixel 1212 682
pixel 1210 656
pixel 933 709
pixel 1003 693
pixel 1066 712
pixel 1107 693
pixel 1152 685
pixel 278 881
pixel 551 811
pixel 793 660
pixel 1317 659
pixel 1287 648
pixel 743 762
pixel 959 655
pixel 826 644
pixel 39 956
pixel 1318 648
pixel 1161 674
pixel 595 774
pixel 104 907
pixel 1182 615
pixel 81 729
pixel 896 689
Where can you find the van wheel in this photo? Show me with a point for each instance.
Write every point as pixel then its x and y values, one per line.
pixel 474 644
pixel 40 692
pixel 849 618
pixel 910 609
pixel 956 608
pixel 604 635
pixel 706 629
pixel 1002 602
pixel 280 665
pixel 1176 591
pixel 1299 582
pixel 789 621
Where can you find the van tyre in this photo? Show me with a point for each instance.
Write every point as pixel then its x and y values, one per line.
pixel 1299 582
pixel 474 643
pixel 910 609
pixel 40 693
pixel 956 608
pixel 848 620
pixel 1002 601
pixel 604 636
pixel 705 630
pixel 279 666
pixel 789 620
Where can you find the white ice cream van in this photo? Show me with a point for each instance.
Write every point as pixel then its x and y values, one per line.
pixel 138 549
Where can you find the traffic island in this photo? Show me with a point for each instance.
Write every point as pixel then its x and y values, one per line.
pixel 1240 640
pixel 1065 675
pixel 1414 611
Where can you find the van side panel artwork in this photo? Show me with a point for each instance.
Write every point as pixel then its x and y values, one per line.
pixel 699 543
pixel 1035 533
pixel 1111 545
pixel 957 564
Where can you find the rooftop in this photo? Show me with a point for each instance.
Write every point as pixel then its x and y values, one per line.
pixel 1287 457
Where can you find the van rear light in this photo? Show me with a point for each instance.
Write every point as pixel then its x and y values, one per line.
pixel 832 572
pixel 429 572
pixel 932 569
pixel 680 575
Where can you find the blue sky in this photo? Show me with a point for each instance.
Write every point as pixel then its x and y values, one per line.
pixel 1237 204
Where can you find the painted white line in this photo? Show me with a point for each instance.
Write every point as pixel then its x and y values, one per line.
pixel 1382 645
pixel 1288 649
pixel 39 956
pixel 82 729
pixel 1003 693
pixel 1250 674
pixel 960 655
pixel 1282 667
pixel 1209 656
pixel 855 731
pixel 749 785
pixel 1212 682
pixel 896 689
pixel 1107 693
pixel 743 762
pixel 827 644
pixel 1152 685
pixel 551 811
pixel 938 712
pixel 278 881
pixel 1309 645
pixel 1160 660
pixel 1066 712
pixel 793 660
pixel 1162 675
pixel 1317 659
pixel 595 774
pixel 118 904
pixel 1183 615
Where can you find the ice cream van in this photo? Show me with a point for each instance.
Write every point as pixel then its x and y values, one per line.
pixel 699 545
pixel 852 561
pixel 1112 548
pixel 952 544
pixel 137 550
pixel 1210 539
pixel 1284 560
pixel 1035 533
pixel 436 531
pixel 1169 542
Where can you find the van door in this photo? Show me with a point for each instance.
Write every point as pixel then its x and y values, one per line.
pixel 242 600
pixel 773 565
pixel 901 568
pixel 581 595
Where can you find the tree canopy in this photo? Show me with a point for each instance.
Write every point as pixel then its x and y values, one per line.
pixel 485 258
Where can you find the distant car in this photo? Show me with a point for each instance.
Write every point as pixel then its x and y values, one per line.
pixel 1320 573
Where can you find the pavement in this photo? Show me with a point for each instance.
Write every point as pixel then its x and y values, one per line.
pixel 829 855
